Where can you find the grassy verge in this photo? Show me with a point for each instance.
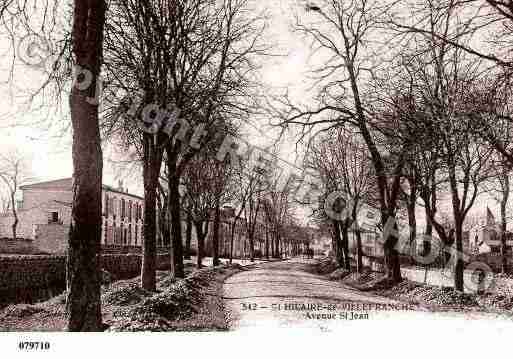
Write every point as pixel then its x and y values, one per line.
pixel 190 304
pixel 431 297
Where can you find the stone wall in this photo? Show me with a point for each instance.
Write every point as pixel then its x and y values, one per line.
pixel 445 278
pixel 30 218
pixel 19 246
pixel 124 266
pixel 52 238
pixel 31 278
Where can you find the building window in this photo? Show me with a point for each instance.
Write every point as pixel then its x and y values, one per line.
pixel 130 211
pixel 53 217
pixel 129 234
pixel 116 235
pixel 110 236
pixel 123 208
pixel 105 232
pixel 136 234
pixel 106 205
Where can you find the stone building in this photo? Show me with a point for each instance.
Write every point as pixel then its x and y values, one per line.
pixel 44 215
pixel 485 237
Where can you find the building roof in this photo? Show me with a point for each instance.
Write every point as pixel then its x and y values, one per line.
pixel 115 190
pixel 66 184
pixel 66 204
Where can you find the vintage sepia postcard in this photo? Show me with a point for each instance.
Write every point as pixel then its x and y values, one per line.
pixel 274 171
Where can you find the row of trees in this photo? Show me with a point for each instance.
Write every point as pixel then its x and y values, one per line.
pixel 427 118
pixel 208 186
pixel 197 60
pixel 341 160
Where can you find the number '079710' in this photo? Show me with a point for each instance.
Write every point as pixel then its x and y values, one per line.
pixel 28 346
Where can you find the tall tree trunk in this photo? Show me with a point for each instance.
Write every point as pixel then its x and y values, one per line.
pixel 215 236
pixel 458 270
pixel 164 223
pixel 344 230
pixel 251 246
pixel 277 245
pixel 151 171
pixel 359 260
pixel 266 243
pixel 201 235
pixel 391 256
pixel 430 201
pixel 428 232
pixel 338 244
pixel 177 268
pixel 188 237
pixel 412 222
pixel 15 214
pixel 232 238
pixel 83 305
pixel 334 238
pixel 358 235
pixel 504 202
pixel 273 246
pixel 459 217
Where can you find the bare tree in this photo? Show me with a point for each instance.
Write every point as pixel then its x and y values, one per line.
pixel 341 37
pixel 193 57
pixel 14 171
pixel 245 185
pixel 499 187
pixel 204 181
pixel 78 52
pixel 474 25
pixel 279 207
pixel 470 27
pixel 5 202
pixel 252 209
pixel 83 305
pixel 443 81
pixel 342 161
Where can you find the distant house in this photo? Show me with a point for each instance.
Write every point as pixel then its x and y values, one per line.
pixel 45 216
pixel 486 237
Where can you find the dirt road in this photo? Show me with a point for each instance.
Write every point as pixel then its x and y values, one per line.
pixel 286 294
